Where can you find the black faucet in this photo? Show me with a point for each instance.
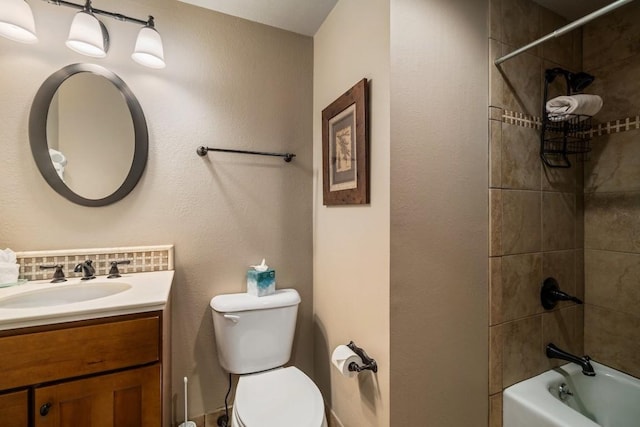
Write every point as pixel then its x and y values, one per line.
pixel 87 268
pixel 553 352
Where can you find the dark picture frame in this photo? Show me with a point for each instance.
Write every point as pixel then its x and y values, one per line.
pixel 345 148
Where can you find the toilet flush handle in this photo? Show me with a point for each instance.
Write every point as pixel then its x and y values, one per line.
pixel 234 318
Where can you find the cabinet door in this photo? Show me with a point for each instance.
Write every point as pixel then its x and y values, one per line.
pixel 124 399
pixel 14 409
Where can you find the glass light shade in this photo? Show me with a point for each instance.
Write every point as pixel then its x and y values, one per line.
pixel 149 51
pixel 88 35
pixel 16 21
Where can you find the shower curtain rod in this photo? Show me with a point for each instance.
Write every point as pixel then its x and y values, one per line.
pixel 565 29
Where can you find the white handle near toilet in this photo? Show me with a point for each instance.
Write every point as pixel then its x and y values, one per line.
pixel 233 317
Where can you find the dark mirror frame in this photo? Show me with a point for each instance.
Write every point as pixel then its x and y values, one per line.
pixel 40 147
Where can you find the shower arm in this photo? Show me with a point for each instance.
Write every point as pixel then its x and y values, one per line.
pixel 561 31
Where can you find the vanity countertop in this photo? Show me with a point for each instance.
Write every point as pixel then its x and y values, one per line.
pixel 142 292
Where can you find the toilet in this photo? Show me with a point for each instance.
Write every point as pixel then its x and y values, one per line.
pixel 254 337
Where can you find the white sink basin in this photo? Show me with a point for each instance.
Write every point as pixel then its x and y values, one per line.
pixel 62 295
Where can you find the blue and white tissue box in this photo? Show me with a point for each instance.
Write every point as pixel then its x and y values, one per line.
pixel 261 283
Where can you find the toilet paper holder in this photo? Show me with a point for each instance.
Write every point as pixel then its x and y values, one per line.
pixel 369 363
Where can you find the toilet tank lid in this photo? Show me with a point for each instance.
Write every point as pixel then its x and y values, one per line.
pixel 228 303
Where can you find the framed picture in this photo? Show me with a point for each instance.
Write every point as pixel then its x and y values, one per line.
pixel 345 148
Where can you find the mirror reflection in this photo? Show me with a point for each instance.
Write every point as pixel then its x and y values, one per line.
pixel 90 135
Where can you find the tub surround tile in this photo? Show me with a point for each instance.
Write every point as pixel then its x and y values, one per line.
pixel 495 222
pixel 495 19
pixel 614 163
pixel 558 221
pixel 521 83
pixel 579 220
pixel 520 23
pixel 495 410
pixel 612 280
pixel 495 292
pixel 521 279
pixel 495 154
pixel 618 28
pixel 520 158
pixel 522 356
pixel 580 274
pixel 559 50
pixel 559 179
pixel 496 344
pixel 613 338
pixel 612 221
pixel 614 82
pixel 521 222
pixel 496 76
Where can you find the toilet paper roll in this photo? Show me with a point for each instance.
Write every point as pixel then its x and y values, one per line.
pixel 341 358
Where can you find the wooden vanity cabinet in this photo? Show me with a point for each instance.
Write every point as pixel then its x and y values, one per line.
pixel 14 409
pixel 94 373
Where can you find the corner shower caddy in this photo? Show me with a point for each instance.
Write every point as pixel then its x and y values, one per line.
pixel 559 139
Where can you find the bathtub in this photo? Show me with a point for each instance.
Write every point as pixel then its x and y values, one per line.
pixel 610 399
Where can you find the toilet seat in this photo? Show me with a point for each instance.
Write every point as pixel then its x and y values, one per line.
pixel 283 397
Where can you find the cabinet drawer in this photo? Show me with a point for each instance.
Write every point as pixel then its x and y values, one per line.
pixel 50 355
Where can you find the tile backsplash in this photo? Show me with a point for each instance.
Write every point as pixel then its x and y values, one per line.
pixel 142 258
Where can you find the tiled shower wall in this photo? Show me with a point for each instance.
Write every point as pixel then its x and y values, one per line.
pixel 535 212
pixel 612 194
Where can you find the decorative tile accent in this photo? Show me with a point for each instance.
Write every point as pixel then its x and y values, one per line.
pixel 143 259
pixel 521 119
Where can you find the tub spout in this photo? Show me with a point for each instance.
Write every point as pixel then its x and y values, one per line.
pixel 553 352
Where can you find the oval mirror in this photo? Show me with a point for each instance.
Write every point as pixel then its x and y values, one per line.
pixel 88 135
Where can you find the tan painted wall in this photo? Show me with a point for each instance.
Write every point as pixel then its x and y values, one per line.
pixel 228 83
pixel 439 213
pixel 351 276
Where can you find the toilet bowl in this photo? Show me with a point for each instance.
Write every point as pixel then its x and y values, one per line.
pixel 283 397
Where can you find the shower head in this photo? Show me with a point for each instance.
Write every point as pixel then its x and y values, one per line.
pixel 577 82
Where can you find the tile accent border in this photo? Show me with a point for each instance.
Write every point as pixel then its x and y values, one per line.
pixel 528 121
pixel 615 126
pixel 143 259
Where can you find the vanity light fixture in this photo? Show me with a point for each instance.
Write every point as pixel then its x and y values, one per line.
pixel 16 21
pixel 87 34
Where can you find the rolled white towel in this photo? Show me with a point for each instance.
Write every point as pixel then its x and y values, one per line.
pixel 561 107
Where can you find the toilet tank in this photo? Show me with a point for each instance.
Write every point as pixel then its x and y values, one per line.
pixel 254 333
